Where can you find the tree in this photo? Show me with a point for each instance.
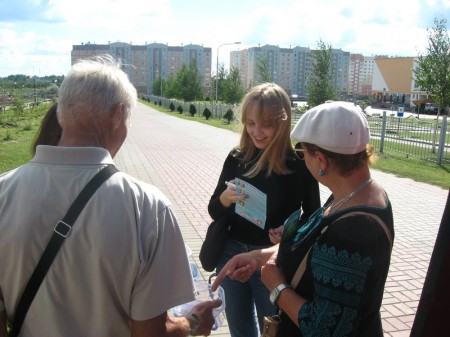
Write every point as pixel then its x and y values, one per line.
pixel 320 85
pixel 188 85
pixel 171 87
pixel 433 69
pixel 220 77
pixel 263 73
pixel 233 90
pixel 18 104
pixel 157 86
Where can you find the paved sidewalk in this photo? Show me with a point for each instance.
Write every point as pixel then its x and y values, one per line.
pixel 184 160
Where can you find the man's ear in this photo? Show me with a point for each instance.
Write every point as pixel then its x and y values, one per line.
pixel 118 115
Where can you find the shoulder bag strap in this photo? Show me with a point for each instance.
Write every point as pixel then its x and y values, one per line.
pixel 302 267
pixel 60 232
pixel 300 271
pixel 376 218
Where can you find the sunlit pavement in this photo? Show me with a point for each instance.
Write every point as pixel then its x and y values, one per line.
pixel 184 159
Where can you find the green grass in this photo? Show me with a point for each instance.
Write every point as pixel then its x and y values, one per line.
pixel 416 170
pixel 17 134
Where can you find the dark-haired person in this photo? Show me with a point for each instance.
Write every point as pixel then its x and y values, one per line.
pixel 49 132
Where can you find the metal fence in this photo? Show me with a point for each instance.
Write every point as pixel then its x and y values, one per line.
pixel 410 138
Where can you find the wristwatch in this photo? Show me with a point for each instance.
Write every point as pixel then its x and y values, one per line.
pixel 193 330
pixel 275 293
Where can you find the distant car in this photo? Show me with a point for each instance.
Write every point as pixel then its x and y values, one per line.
pixel 430 108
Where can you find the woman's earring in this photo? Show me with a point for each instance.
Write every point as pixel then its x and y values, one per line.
pixel 321 173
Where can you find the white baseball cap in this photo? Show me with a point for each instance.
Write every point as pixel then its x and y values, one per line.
pixel 338 127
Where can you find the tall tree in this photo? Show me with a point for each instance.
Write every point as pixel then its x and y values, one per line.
pixel 233 90
pixel 158 86
pixel 220 77
pixel 263 73
pixel 320 85
pixel 171 87
pixel 188 83
pixel 433 69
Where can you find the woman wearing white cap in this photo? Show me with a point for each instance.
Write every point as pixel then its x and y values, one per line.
pixel 345 245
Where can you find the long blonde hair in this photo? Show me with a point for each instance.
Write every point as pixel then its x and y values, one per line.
pixel 274 102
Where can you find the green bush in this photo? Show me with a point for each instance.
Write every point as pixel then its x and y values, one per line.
pixel 206 113
pixel 172 107
pixel 229 115
pixel 180 109
pixel 192 110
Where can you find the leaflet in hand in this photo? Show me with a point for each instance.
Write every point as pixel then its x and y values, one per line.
pixel 254 207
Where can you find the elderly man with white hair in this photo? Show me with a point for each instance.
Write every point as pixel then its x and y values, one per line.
pixel 123 262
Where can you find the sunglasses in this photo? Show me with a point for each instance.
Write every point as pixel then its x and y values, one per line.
pixel 299 151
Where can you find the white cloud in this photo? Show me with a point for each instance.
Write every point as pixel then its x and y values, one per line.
pixel 36 32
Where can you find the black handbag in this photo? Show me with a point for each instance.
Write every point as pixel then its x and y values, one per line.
pixel 215 240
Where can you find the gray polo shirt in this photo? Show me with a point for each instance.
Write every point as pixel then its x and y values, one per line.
pixel 124 258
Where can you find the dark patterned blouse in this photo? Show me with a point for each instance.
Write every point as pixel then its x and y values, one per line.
pixel 345 274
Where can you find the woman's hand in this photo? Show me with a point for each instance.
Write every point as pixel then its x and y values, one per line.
pixel 271 275
pixel 239 267
pixel 229 196
pixel 275 234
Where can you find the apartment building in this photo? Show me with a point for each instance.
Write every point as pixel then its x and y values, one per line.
pixel 394 81
pixel 145 64
pixel 360 75
pixel 288 67
pixel 380 77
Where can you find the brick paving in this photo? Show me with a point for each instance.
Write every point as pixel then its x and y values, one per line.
pixel 184 159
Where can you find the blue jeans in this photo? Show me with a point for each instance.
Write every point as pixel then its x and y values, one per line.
pixel 247 303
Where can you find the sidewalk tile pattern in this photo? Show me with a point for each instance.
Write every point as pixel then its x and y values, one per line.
pixel 184 160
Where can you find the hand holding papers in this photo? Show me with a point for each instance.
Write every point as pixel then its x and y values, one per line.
pixel 254 207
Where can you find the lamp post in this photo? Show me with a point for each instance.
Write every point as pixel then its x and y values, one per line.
pixel 217 68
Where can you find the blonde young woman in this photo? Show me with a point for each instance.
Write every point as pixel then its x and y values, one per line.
pixel 349 238
pixel 266 160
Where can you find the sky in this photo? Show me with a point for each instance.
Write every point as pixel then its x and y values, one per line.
pixel 36 36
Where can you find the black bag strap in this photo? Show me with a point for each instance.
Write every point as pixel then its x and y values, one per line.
pixel 60 232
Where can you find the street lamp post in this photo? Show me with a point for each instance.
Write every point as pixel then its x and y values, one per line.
pixel 34 89
pixel 217 69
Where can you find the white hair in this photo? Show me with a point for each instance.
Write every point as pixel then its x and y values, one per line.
pixel 94 87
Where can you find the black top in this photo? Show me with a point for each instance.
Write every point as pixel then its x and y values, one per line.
pixel 285 194
pixel 345 274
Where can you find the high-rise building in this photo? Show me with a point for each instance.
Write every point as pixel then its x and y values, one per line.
pixel 148 63
pixel 288 67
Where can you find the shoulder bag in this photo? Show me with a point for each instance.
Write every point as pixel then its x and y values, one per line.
pixel 214 244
